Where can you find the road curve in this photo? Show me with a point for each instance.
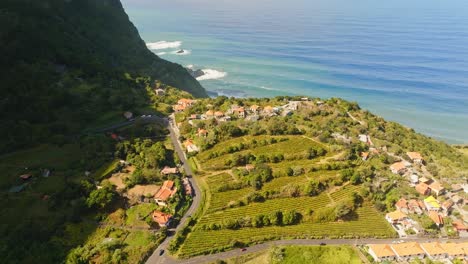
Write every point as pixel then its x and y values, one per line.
pixel 165 258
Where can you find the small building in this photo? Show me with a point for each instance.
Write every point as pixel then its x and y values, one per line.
pixel 26 177
pixel 436 188
pixel 209 114
pixel 415 157
pixel 161 218
pixel 382 252
pixel 396 217
pixel 168 170
pixel 447 207
pixel 364 138
pixel 454 250
pixel 398 168
pixel 190 146
pixel 414 179
pixel 159 92
pixel 436 218
pixel 460 226
pixel 431 204
pixel 408 251
pixel 128 115
pixel 183 104
pixel 415 206
pixel 165 193
pixel 457 199
pixel 456 188
pixel 268 110
pixel 364 155
pixel 254 109
pixel 240 112
pixel 402 205
pixel 194 117
pixel 423 188
pixel 434 250
pixel 218 114
pixel 425 180
pixel 202 132
pixel 187 187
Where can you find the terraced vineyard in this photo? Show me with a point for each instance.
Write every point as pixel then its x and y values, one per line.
pixel 210 234
pixel 292 145
pixel 369 224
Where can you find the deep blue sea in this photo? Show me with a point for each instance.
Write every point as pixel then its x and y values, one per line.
pixel 404 60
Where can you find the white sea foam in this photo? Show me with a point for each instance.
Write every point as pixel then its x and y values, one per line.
pixel 164 45
pixel 190 66
pixel 211 74
pixel 161 53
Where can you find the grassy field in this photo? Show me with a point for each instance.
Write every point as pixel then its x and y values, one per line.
pixel 302 254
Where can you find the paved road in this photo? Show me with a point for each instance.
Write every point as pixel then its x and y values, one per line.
pixel 303 242
pixel 155 258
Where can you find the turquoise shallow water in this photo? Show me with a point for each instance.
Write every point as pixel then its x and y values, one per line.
pixel 407 62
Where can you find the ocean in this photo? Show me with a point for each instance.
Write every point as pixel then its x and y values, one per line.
pixel 406 61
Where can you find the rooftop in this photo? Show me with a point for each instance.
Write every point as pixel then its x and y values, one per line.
pixel 408 249
pixel 382 250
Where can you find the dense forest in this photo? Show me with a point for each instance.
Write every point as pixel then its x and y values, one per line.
pixel 66 62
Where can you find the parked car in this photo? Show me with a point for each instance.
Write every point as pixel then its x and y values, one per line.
pixel 243 249
pixel 161 252
pixel 323 244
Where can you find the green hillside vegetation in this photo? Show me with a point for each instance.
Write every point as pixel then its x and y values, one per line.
pixel 291 176
pixel 67 64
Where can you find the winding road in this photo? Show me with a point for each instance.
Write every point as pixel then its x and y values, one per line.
pixel 165 258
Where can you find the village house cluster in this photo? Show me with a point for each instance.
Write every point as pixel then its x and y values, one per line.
pixel 249 113
pixel 411 250
pixel 438 202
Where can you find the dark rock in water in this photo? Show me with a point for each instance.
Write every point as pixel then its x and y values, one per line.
pixel 180 51
pixel 196 73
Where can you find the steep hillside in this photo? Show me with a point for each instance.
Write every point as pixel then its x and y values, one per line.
pixel 51 47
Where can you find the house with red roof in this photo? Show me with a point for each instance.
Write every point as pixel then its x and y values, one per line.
pixel 402 205
pixel 460 226
pixel 161 218
pixel 423 188
pixel 166 192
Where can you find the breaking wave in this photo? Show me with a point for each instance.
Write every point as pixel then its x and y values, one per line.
pixel 211 74
pixel 164 45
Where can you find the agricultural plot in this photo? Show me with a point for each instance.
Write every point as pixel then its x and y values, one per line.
pixel 288 148
pixel 368 224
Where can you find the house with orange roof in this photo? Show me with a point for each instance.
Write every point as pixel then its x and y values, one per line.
pixel 254 109
pixel 190 146
pixel 183 104
pixel 178 108
pixel 436 218
pixel 423 188
pixel 364 155
pixel 436 188
pixel 168 170
pixel 396 217
pixel 402 205
pixel 166 192
pixel 398 167
pixel 425 180
pixel 382 252
pixel 415 206
pixel 415 157
pixel 456 250
pixel 460 226
pixel 209 114
pixel 434 250
pixel 218 114
pixel 447 207
pixel 202 132
pixel 161 218
pixel 408 251
pixel 240 112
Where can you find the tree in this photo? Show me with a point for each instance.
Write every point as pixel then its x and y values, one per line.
pixel 276 255
pixel 100 198
pixel 342 209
